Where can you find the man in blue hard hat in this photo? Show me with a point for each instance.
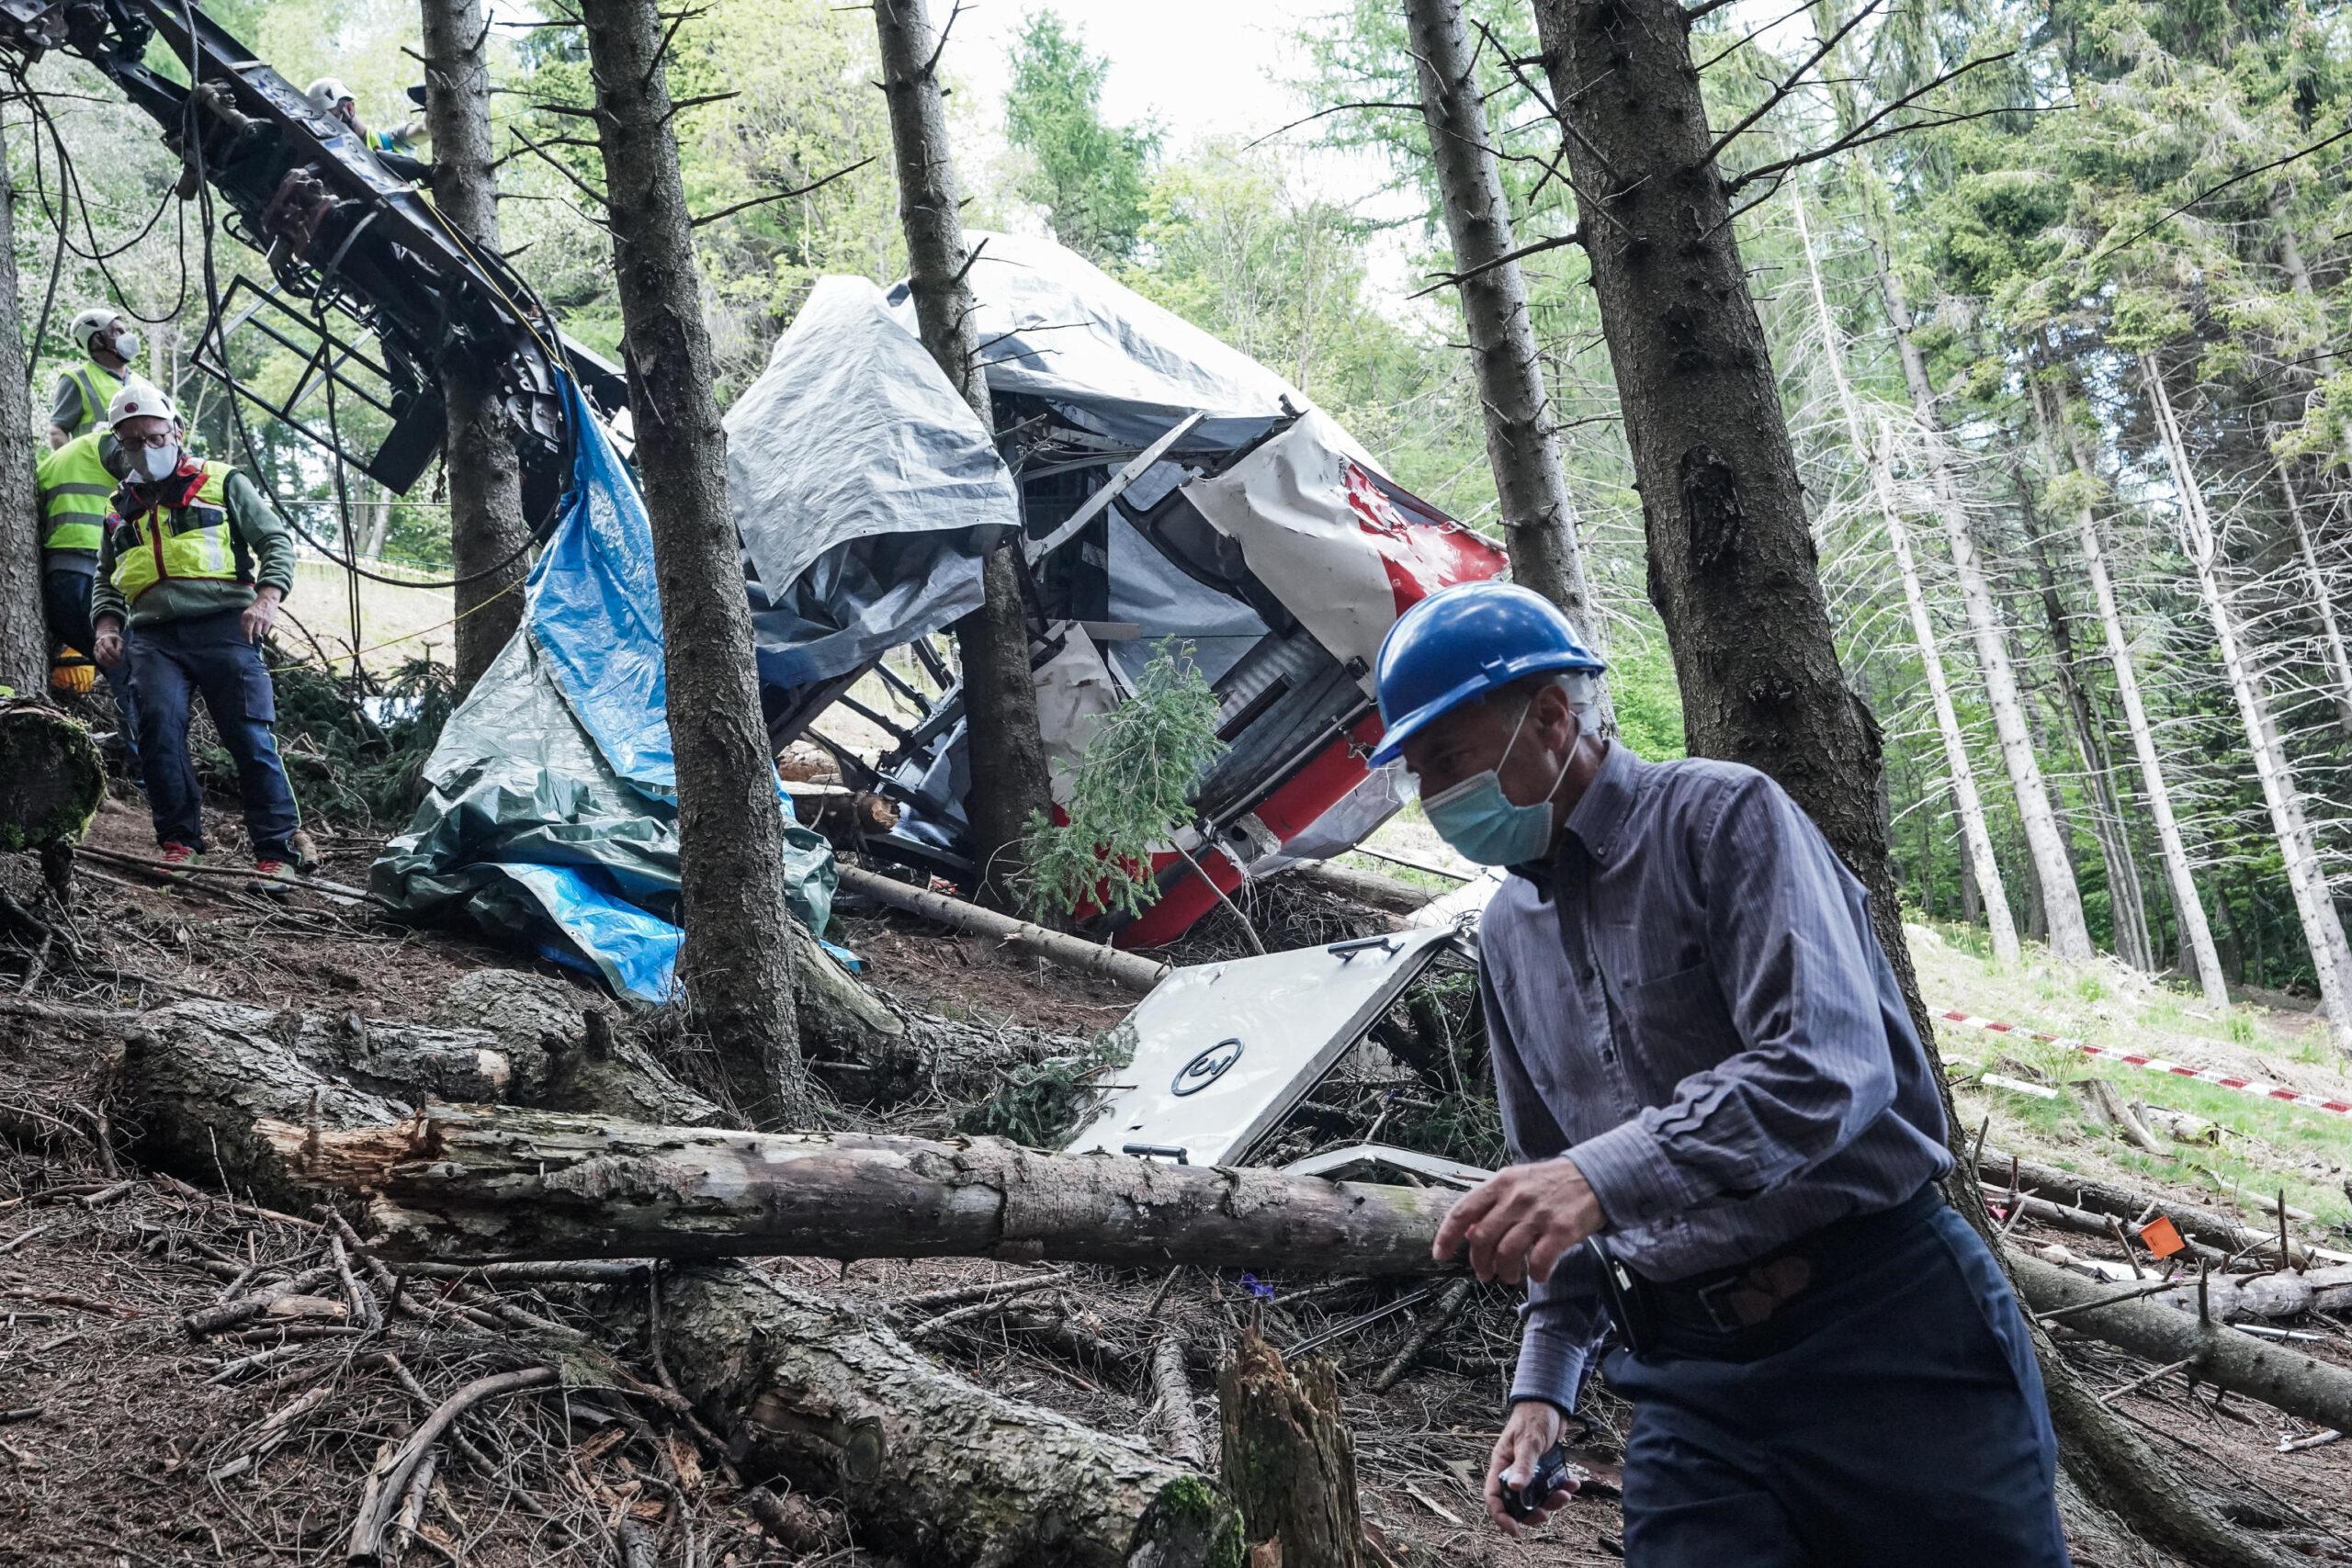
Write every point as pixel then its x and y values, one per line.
pixel 1727 1136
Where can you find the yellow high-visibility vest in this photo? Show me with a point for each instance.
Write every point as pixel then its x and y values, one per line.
pixel 98 385
pixel 74 494
pixel 190 540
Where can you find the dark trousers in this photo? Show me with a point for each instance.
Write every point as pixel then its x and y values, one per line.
pixel 1893 1415
pixel 172 663
pixel 65 603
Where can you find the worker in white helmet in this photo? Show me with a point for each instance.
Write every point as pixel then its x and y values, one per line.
pixel 395 149
pixel 195 562
pixel 108 345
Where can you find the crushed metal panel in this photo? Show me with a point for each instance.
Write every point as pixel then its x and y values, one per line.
pixel 1223 1051
pixel 1433 1167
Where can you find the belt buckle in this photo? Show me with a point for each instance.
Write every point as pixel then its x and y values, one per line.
pixel 1713 1300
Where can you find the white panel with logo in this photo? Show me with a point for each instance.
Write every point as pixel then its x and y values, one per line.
pixel 1224 1051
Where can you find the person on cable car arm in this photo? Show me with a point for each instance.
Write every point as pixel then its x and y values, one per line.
pixel 395 149
pixel 1728 1138
pixel 74 484
pixel 195 563
pixel 84 392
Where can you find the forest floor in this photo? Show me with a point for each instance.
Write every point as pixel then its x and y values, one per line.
pixel 125 1441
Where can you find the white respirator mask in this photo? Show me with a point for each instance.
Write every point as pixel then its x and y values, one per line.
pixel 126 346
pixel 160 462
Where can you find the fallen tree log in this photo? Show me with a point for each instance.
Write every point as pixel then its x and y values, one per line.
pixel 1123 969
pixel 196 1076
pixel 489 1183
pixel 933 1467
pixel 2226 1232
pixel 928 1463
pixel 2315 1390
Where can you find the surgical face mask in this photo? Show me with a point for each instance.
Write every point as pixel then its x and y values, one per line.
pixel 160 461
pixel 1484 825
pixel 126 346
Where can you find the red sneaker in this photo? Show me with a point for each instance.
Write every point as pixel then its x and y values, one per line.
pixel 271 876
pixel 175 859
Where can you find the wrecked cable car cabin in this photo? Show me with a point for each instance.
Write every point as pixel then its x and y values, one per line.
pixel 1156 485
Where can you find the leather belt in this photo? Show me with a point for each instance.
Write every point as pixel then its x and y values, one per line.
pixel 1748 1296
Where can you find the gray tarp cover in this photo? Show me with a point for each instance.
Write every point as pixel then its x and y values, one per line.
pixel 864 488
pixel 1056 327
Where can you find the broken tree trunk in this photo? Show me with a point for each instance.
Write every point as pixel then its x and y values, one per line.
pixel 735 963
pixel 2257 1369
pixel 926 1462
pixel 933 1468
pixel 51 778
pixel 483 1183
pixel 1287 1458
pixel 1007 754
pixel 198 1075
pixel 487 529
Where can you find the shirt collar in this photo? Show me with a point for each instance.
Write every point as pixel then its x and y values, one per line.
pixel 1598 819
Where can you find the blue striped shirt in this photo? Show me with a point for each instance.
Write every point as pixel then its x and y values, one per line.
pixel 1689 1002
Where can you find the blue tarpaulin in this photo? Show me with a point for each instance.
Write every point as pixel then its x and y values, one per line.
pixel 551 806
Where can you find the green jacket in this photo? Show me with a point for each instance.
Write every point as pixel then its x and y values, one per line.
pixel 264 558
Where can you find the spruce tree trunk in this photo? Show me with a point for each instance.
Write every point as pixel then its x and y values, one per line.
pixel 1732 568
pixel 2197 932
pixel 1007 757
pixel 24 629
pixel 2062 900
pixel 1522 440
pixel 2322 930
pixel 736 963
pixel 486 522
pixel 1872 447
pixel 2126 899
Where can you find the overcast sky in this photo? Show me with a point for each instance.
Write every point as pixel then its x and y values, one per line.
pixel 1201 67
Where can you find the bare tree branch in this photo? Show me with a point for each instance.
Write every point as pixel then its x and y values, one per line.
pixel 780 195
pixel 2145 230
pixel 1773 100
pixel 1534 247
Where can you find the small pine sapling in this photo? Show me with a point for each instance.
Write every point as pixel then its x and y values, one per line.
pixel 1131 793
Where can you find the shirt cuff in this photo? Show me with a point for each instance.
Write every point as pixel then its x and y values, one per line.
pixel 1630 1175
pixel 1549 1368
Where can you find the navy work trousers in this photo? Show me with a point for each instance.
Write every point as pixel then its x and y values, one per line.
pixel 1892 1415
pixel 172 663
pixel 65 603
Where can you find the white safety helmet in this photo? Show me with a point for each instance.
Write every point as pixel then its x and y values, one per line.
pixel 140 398
pixel 326 93
pixel 89 324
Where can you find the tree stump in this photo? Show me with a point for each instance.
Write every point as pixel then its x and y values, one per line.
pixel 51 778
pixel 1288 1460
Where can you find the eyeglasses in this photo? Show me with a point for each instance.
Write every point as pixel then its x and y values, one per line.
pixel 155 443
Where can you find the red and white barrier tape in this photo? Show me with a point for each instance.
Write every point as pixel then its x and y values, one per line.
pixel 2158 1065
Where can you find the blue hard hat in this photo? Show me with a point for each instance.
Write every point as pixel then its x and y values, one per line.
pixel 1455 647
